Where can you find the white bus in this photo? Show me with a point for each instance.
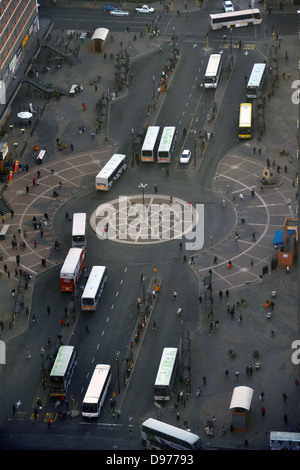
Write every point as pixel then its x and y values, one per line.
pixel 166 145
pixel 284 440
pixel 94 288
pixel 245 121
pixel 72 269
pixel 162 436
pixel 166 374
pixel 62 371
pixel 256 80
pixel 79 230
pixel 150 144
pixel 213 71
pixel 235 18
pixel 97 391
pixel 111 171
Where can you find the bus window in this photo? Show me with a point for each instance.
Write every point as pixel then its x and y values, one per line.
pixel 94 288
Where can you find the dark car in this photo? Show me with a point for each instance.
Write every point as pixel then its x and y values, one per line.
pixel 109 7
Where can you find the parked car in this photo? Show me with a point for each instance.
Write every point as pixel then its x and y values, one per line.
pixel 227 5
pixel 109 7
pixel 119 13
pixel 185 156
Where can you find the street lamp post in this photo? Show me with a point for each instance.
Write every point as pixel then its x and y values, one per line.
pixel 153 84
pixel 143 187
pixel 42 352
pixel 118 371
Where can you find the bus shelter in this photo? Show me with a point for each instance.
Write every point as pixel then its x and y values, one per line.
pixel 240 405
pixel 98 38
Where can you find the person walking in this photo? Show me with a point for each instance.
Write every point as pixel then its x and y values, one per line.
pixel 237 373
pixel 263 411
pixel 284 396
pixel 48 309
pixel 175 294
pixel 227 293
pixel 204 380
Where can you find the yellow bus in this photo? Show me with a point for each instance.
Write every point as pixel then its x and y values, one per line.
pixel 245 121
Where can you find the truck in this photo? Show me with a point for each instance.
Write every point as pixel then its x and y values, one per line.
pixel 144 9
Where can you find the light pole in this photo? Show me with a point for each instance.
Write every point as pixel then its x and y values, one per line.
pixel 143 187
pixel 42 352
pixel 153 84
pixel 118 371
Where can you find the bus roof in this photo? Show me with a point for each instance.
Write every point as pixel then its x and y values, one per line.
pixel 71 260
pixel 213 64
pixel 151 137
pixel 62 361
pixel 166 138
pixel 93 282
pixel 111 165
pixel 166 366
pixel 256 74
pixel 171 430
pixel 79 221
pixel 96 384
pixel 232 14
pixel 245 114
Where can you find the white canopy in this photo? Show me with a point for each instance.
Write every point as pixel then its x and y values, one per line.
pixel 100 33
pixel 241 398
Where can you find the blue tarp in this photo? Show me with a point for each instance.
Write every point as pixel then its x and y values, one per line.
pixel 278 238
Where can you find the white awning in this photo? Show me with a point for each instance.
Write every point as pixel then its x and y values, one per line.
pixel 241 398
pixel 100 33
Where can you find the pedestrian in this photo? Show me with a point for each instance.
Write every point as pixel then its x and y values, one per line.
pixel 130 433
pixel 179 311
pixel 180 245
pixel 227 293
pixel 263 411
pixel 237 373
pixel 72 147
pixel 13 409
pixel 254 150
pixel 251 262
pixel 48 309
pixel 226 374
pixel 154 325
pixel 220 294
pixel 87 331
pixel 285 419
pixel 49 423
pixel 27 189
pixel 253 237
pixel 200 299
pixel 204 380
pixel 175 294
pixel 284 396
pixel 261 396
